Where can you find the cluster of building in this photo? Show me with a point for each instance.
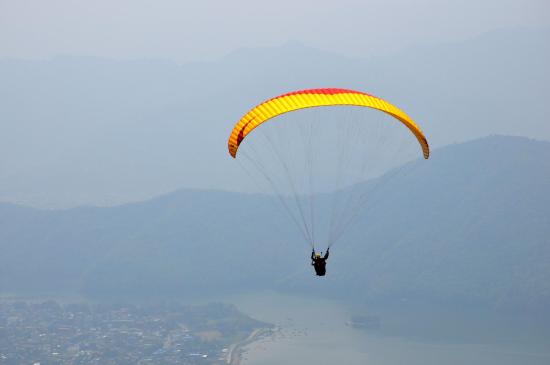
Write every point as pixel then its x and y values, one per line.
pixel 49 333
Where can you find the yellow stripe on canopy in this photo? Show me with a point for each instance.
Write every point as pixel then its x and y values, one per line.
pixel 315 98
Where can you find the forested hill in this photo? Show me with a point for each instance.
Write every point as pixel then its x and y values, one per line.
pixel 471 225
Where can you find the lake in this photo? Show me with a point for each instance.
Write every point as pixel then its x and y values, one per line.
pixel 315 331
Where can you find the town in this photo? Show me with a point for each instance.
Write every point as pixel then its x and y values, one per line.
pixel 47 333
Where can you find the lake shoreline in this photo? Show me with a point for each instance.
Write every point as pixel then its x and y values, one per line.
pixel 236 351
pixel 313 330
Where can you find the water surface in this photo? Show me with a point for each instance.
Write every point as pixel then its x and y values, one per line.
pixel 315 331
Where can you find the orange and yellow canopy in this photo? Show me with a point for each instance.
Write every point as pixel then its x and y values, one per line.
pixel 315 98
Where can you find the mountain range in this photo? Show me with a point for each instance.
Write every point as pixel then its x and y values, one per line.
pixel 93 131
pixel 469 226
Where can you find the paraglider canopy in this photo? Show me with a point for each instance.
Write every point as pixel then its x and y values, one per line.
pixel 322 151
pixel 311 98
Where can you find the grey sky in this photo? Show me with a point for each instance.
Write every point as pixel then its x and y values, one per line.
pixel 83 130
pixel 197 30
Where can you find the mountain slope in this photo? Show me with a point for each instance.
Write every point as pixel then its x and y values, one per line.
pixel 470 225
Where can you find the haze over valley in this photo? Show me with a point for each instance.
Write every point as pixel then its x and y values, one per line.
pixel 173 173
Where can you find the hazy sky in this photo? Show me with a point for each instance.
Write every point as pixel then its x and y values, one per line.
pixel 196 30
pixel 115 140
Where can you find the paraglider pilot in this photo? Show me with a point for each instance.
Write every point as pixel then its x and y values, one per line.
pixel 319 263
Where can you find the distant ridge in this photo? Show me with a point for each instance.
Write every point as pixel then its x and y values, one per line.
pixel 104 132
pixel 472 225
